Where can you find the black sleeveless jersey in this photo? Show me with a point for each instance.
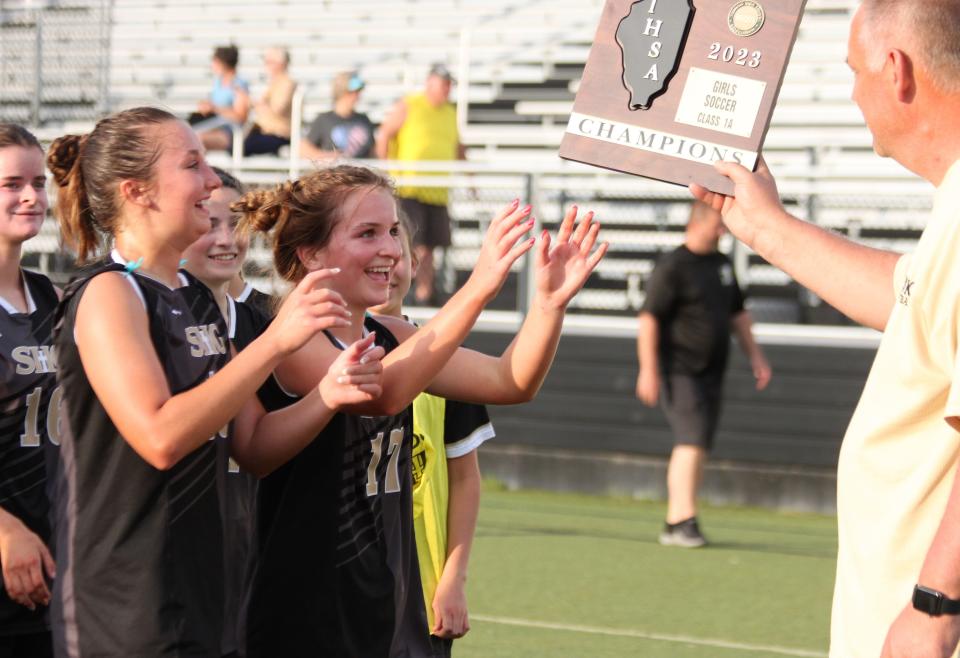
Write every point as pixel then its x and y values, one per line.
pixel 29 426
pixel 259 301
pixel 139 550
pixel 239 488
pixel 336 571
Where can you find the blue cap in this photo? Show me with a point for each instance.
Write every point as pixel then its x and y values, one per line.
pixel 355 83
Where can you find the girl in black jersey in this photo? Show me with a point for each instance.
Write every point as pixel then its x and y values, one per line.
pixel 215 259
pixel 148 387
pixel 28 418
pixel 334 520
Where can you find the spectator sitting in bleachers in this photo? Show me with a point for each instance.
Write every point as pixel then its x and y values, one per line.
pixel 228 104
pixel 271 129
pixel 341 132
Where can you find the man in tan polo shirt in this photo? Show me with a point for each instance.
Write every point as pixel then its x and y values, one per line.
pixel 898 505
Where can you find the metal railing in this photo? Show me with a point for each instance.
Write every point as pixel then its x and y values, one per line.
pixel 641 218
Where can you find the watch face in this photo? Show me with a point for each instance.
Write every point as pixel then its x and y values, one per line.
pixel 927 600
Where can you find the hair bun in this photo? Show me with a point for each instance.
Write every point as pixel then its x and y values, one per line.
pixel 264 209
pixel 62 157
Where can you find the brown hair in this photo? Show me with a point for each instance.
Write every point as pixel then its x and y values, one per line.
pixel 12 134
pixel 89 169
pixel 407 232
pixel 229 56
pixel 304 212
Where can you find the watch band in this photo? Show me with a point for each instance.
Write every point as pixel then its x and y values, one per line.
pixel 934 603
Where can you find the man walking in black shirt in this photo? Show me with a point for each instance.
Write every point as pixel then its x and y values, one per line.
pixel 693 302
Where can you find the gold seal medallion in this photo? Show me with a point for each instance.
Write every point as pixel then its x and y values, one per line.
pixel 745 18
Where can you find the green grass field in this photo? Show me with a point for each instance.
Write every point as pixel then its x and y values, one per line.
pixel 564 575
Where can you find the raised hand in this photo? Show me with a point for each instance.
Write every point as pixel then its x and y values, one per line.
pixel 308 309
pixel 355 376
pixel 501 249
pixel 562 270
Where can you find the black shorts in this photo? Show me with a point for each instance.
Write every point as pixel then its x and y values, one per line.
pixel 692 406
pixel 442 647
pixel 431 223
pixel 258 143
pixel 32 645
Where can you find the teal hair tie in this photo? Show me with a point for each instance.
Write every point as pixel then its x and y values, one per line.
pixel 183 261
pixel 133 265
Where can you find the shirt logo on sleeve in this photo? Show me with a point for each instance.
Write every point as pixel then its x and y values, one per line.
pixel 905 292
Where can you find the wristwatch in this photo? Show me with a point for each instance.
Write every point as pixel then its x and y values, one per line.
pixel 934 603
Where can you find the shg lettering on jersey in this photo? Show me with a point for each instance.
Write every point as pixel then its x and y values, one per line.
pixel 35 359
pixel 205 341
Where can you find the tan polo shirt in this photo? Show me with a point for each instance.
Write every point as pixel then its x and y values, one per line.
pixel 899 455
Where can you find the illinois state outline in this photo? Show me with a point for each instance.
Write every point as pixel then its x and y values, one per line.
pixel 650 37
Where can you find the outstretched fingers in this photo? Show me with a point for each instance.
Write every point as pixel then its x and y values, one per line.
pixel 505 211
pixel 597 256
pixel 583 228
pixel 586 245
pixel 313 279
pixel 567 225
pixel 505 222
pixel 519 250
pixel 513 235
pixel 543 250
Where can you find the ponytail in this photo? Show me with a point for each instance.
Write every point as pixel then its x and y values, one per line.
pixel 77 223
pixel 88 170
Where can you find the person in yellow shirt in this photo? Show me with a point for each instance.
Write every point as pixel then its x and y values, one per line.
pixel 423 127
pixel 446 484
pixel 897 592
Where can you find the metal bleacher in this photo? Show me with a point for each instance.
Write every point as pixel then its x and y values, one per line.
pixel 519 64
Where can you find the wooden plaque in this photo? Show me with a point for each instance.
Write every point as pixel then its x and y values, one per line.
pixel 672 86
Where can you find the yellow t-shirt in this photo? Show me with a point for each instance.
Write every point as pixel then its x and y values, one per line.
pixel 427 133
pixel 431 492
pixel 899 454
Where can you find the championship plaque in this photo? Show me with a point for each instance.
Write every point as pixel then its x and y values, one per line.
pixel 672 86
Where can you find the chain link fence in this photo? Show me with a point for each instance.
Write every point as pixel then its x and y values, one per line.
pixel 54 60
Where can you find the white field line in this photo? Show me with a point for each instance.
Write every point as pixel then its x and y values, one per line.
pixel 660 637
